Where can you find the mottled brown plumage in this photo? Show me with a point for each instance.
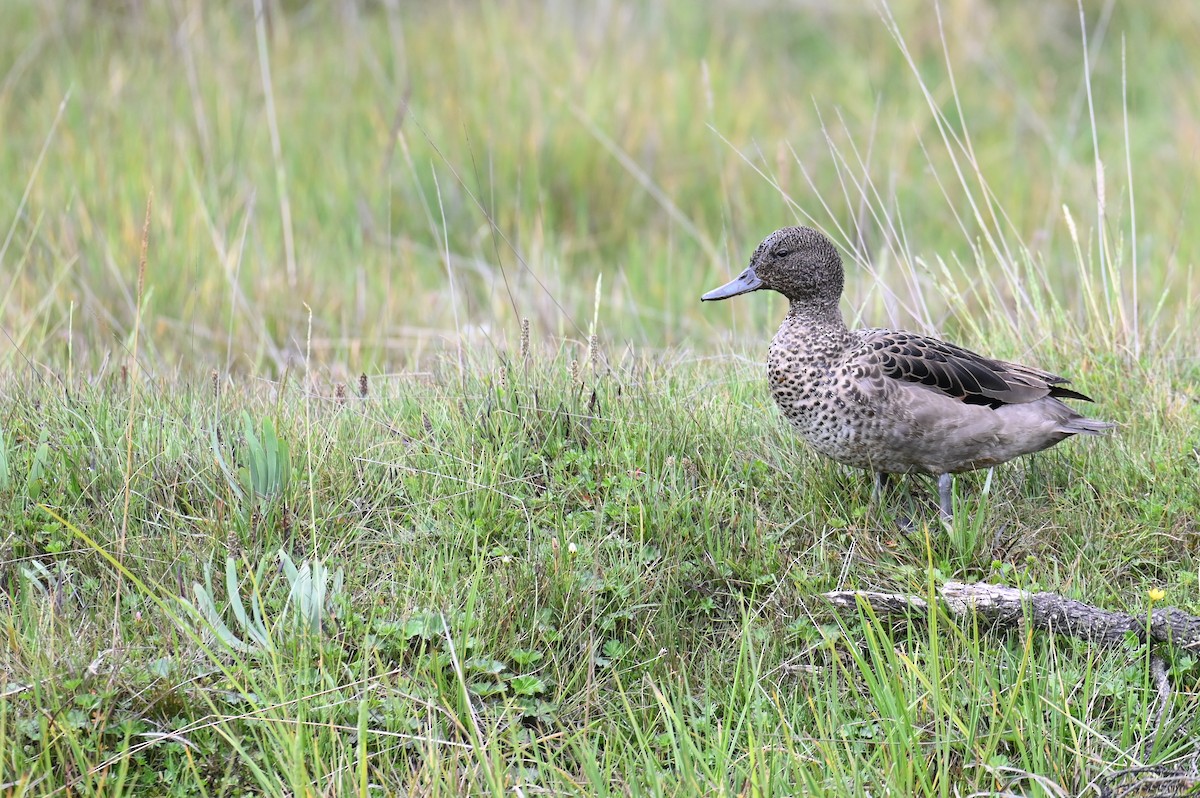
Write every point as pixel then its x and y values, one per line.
pixel 890 401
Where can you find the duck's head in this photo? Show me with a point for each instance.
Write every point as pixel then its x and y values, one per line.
pixel 798 262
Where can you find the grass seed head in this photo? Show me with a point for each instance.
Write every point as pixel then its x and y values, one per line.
pixel 594 351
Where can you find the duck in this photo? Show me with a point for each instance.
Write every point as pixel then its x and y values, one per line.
pixel 894 402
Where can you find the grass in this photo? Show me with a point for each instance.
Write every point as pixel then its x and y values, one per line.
pixel 585 165
pixel 585 558
pixel 628 593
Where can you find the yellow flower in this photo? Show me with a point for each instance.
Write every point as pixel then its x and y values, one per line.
pixel 1157 594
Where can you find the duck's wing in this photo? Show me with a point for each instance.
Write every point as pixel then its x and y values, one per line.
pixel 956 372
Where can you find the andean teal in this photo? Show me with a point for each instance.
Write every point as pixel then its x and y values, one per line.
pixel 888 401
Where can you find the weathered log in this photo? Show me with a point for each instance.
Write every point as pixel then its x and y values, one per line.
pixel 1008 606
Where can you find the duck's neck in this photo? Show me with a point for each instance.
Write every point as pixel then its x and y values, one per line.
pixel 816 330
pixel 823 316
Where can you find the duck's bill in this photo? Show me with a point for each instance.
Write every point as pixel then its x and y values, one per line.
pixel 744 283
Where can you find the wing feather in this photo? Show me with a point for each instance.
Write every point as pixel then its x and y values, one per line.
pixel 957 372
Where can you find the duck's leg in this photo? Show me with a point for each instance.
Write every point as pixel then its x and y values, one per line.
pixel 946 496
pixel 883 486
pixel 882 480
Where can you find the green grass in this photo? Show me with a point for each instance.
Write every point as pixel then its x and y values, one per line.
pixel 623 571
pixel 569 569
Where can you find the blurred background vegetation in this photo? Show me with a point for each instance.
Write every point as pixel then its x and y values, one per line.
pixel 415 173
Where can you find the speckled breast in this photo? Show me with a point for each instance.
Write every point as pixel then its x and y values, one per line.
pixel 820 402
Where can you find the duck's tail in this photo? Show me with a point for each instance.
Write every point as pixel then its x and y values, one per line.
pixel 1085 426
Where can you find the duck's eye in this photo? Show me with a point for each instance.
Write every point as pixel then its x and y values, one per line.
pixel 782 253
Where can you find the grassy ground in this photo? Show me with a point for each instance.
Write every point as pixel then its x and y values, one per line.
pixel 519 564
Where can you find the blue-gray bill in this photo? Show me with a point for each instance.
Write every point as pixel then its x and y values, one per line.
pixel 744 283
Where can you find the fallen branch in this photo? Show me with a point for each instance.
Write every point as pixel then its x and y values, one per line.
pixel 1008 606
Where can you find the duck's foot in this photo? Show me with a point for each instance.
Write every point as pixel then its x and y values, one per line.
pixel 946 497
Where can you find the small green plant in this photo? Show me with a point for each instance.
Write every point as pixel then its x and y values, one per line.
pixel 526 685
pixel 311 588
pixel 254 629
pixel 268 470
